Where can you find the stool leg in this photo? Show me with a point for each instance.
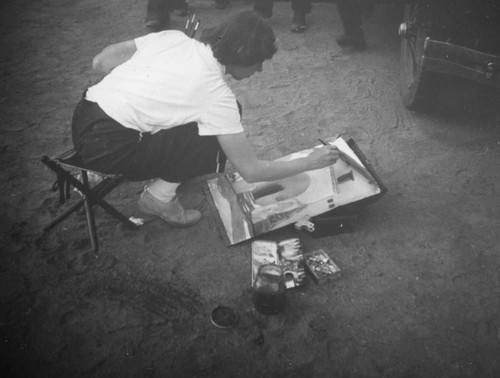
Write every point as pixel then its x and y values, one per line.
pixel 103 188
pixel 108 187
pixel 90 214
pixel 64 215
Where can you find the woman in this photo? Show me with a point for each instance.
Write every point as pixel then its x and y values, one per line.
pixel 164 112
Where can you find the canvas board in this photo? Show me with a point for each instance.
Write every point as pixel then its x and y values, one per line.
pixel 247 210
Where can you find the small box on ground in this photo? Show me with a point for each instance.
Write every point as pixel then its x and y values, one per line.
pixel 321 266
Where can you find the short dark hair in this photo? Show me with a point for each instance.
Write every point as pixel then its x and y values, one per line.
pixel 244 40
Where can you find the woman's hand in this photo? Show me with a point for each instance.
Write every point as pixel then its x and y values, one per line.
pixel 323 157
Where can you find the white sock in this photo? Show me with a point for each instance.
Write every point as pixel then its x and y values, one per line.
pixel 162 190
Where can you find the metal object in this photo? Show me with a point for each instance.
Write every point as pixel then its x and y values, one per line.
pixel 304 225
pixel 403 30
pixel 224 317
pixel 192 24
pixel 443 57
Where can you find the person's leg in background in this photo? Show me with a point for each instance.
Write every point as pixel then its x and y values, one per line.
pixel 158 14
pixel 181 7
pixel 263 8
pixel 300 9
pixel 350 12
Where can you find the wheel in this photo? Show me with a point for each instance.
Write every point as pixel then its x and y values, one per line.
pixel 415 82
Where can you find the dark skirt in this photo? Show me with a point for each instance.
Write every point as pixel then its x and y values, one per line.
pixel 174 155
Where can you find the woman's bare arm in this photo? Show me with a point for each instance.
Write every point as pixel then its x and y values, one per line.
pixel 113 56
pixel 242 156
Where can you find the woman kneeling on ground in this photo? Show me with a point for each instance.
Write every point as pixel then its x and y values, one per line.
pixel 164 113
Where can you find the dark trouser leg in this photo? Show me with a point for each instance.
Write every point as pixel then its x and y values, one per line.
pixel 178 154
pixel 264 8
pixel 302 6
pixel 158 14
pixel 179 4
pixel 103 144
pixel 351 16
pixel 174 155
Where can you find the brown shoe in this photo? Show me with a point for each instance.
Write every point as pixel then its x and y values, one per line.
pixel 171 212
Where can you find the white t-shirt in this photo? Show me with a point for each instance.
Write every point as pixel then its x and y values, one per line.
pixel 171 80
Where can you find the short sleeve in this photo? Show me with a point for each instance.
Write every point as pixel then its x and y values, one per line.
pixel 222 116
pixel 144 40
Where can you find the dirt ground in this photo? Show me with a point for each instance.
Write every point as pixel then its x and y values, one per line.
pixel 420 291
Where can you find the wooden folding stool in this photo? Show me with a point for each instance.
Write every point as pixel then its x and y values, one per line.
pixel 69 161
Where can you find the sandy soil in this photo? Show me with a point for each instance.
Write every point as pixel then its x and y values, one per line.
pixel 419 296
